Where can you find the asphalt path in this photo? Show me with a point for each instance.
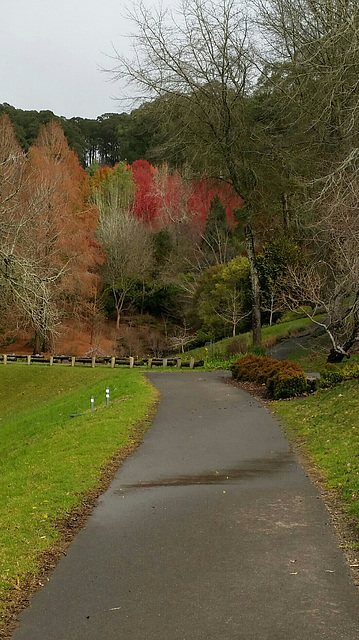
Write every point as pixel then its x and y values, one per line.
pixel 210 531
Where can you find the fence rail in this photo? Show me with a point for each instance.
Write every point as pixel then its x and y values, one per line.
pixel 111 361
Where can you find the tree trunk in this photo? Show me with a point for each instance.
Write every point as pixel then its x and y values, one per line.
pixel 256 294
pixel 336 356
pixel 37 344
pixel 338 353
pixel 285 210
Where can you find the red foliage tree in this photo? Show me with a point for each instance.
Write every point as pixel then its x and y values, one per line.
pixel 203 192
pixel 146 203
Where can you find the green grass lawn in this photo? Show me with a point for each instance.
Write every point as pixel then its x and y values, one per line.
pixel 327 426
pixel 48 459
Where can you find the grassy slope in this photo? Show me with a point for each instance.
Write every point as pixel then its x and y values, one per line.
pixel 48 458
pixel 270 336
pixel 326 424
pixel 312 355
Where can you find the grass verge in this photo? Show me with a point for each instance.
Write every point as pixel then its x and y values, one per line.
pixel 326 426
pixel 51 461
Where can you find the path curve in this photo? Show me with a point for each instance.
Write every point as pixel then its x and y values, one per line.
pixel 210 531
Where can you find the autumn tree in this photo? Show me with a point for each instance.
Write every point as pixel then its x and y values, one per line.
pixel 145 205
pixel 23 287
pixel 46 230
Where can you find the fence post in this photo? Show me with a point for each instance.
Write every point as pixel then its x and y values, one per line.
pixel 179 363
pixel 5 358
pixel 113 359
pixel 191 363
pixel 73 361
pixel 149 363
pixel 28 359
pixel 51 360
pixel 164 362
pixel 93 360
pixel 132 360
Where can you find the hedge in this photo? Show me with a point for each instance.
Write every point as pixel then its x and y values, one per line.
pixel 283 379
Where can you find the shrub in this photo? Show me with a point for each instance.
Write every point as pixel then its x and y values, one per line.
pixel 351 371
pixel 282 378
pixel 287 381
pixel 330 375
pixel 242 368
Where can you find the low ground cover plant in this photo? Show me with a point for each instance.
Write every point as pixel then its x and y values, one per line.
pixel 283 379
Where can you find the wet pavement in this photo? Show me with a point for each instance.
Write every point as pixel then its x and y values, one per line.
pixel 210 531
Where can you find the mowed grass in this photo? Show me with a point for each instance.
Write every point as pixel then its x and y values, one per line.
pixel 48 459
pixel 327 426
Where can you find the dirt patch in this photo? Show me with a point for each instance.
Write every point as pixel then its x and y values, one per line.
pixel 259 391
pixel 345 527
pixel 19 597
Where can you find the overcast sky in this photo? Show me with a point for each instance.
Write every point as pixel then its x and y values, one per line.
pixel 51 52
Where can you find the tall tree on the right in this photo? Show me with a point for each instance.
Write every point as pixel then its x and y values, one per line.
pixel 312 75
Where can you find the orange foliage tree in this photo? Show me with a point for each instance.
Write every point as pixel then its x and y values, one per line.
pixel 49 242
pixel 66 221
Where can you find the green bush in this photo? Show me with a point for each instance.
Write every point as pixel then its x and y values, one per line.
pixel 287 381
pixel 351 371
pixel 330 375
pixel 283 379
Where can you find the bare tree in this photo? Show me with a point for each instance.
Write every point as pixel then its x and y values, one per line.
pixel 196 62
pixel 330 282
pixel 128 249
pixel 181 337
pixel 310 58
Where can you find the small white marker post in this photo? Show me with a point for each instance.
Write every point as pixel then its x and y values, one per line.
pixel 92 403
pixel 107 396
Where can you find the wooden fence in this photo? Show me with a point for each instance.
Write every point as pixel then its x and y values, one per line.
pixel 110 361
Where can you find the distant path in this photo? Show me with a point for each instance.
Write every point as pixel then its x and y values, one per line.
pixel 210 531
pixel 283 349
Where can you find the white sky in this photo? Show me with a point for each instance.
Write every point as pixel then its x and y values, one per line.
pixel 51 52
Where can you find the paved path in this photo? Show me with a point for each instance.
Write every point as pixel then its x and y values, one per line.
pixel 210 531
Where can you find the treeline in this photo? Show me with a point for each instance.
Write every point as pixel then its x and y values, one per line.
pixel 110 138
